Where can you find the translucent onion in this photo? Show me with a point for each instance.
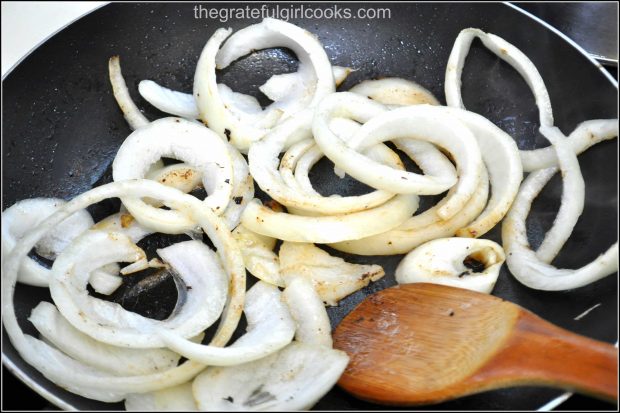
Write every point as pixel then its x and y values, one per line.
pixel 443 261
pixel 525 264
pixel 228 119
pixel 420 228
pixel 329 228
pixel 294 378
pixel 25 215
pixel 586 134
pixel 360 109
pixel 429 123
pixel 270 328
pixel 308 311
pixel 115 360
pixel 84 380
pixel 505 51
pixel 332 277
pixel 180 139
pixel 132 114
pixel 108 322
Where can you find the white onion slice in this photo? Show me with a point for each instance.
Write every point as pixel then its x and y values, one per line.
pixel 115 360
pixel 430 123
pixel 169 101
pixel 244 128
pixel 330 228
pixel 183 104
pixel 441 261
pixel 175 398
pixel 395 91
pixel 181 176
pixel 294 378
pixel 333 278
pixel 132 114
pixel 242 190
pixel 278 87
pixel 501 158
pixel 108 322
pixel 180 139
pixel 505 51
pixel 84 380
pixel 573 197
pixel 186 178
pixel 270 328
pixel 258 255
pixel 263 161
pixel 25 215
pixel 585 135
pixel 125 224
pixel 308 311
pixel 420 228
pixel 525 264
pixel 360 109
pixel 499 151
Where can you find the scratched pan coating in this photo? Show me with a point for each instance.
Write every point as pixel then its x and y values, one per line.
pixel 62 128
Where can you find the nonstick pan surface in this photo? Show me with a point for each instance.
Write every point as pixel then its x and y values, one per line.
pixel 62 128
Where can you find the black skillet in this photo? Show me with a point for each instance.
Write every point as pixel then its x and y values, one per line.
pixel 62 127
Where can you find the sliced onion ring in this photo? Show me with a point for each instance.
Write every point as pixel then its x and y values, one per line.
pixel 420 228
pixel 294 378
pixel 132 114
pixel 585 135
pixel 115 360
pixel 181 139
pixel 427 123
pixel 82 379
pixel 524 263
pixel 505 51
pixel 108 322
pixel 25 215
pixel 243 128
pixel 442 261
pixel 270 328
pixel 330 228
pixel 360 109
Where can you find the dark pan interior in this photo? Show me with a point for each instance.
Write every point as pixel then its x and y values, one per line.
pixel 62 128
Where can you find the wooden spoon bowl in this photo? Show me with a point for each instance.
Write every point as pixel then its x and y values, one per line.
pixel 426 343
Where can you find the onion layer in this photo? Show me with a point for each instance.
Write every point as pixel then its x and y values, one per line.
pixel 446 261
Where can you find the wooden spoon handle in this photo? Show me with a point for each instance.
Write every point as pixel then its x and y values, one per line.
pixel 538 352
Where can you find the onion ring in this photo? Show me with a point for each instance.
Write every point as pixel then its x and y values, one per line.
pixel 526 266
pixel 314 67
pixel 505 51
pixel 25 215
pixel 81 379
pixel 263 161
pixel 108 322
pixel 420 228
pixel 423 122
pixel 349 105
pixel 132 114
pixel 331 228
pixel 181 139
pixel 586 134
pixel 115 360
pixel 270 328
pixel 294 378
pixel 309 313
pixel 442 261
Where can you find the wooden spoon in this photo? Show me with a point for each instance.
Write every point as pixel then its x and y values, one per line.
pixel 427 343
